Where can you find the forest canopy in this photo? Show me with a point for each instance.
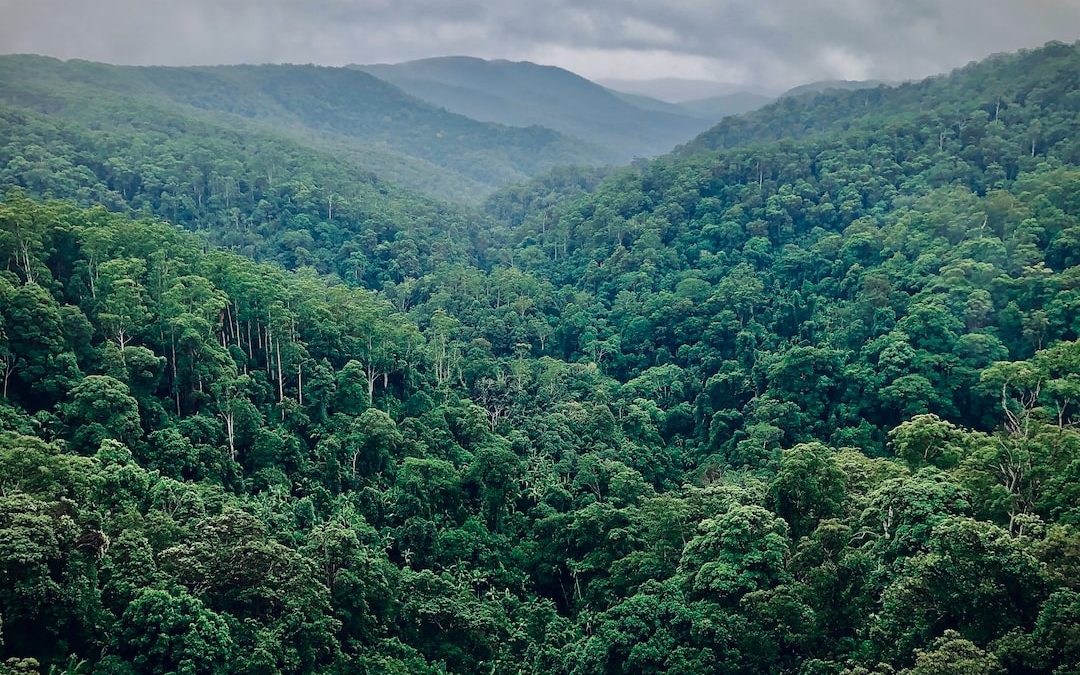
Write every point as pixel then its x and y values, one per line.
pixel 800 397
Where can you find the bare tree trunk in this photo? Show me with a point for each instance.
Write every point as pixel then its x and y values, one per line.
pixel 92 276
pixel 269 350
pixel 122 342
pixel 175 384
pixel 9 369
pixel 26 263
pixel 230 422
pixel 280 378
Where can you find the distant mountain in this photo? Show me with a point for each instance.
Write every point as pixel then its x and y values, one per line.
pixel 719 107
pixel 650 103
pixel 672 89
pixel 822 86
pixel 373 123
pixel 523 94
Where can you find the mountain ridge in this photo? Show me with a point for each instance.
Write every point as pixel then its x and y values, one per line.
pixel 524 93
pixel 996 79
pixel 343 103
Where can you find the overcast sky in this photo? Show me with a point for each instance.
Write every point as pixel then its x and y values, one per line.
pixel 764 43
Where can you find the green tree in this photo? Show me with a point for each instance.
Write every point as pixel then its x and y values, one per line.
pixel 744 550
pixel 973 578
pixel 101 407
pixel 951 654
pixel 807 488
pixel 172 632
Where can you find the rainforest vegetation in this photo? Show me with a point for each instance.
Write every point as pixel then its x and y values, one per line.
pixel 800 397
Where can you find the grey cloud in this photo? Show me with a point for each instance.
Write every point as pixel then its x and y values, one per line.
pixel 772 43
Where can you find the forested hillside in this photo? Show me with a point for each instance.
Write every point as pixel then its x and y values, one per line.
pixel 1035 88
pixel 524 94
pixel 370 123
pixel 827 86
pixel 251 191
pixel 800 398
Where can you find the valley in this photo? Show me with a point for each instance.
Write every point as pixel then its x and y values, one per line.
pixel 463 365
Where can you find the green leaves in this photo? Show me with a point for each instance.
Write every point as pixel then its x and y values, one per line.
pixel 953 655
pixel 742 551
pixel 973 577
pixel 805 406
pixel 808 487
pixel 927 440
pixel 172 632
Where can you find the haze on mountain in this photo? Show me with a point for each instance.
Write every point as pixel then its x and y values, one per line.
pixel 677 89
pixel 723 105
pixel 767 44
pixel 526 94
pixel 676 50
pixel 831 85
pixel 350 113
pixel 522 94
pixel 455 128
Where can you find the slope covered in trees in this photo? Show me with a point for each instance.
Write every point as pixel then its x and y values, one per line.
pixel 252 191
pixel 825 86
pixel 1012 89
pixel 804 406
pixel 525 94
pixel 371 122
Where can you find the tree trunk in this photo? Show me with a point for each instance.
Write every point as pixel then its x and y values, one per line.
pixel 175 384
pixel 280 378
pixel 9 369
pixel 230 422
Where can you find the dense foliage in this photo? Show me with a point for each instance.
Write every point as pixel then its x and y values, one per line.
pixel 355 117
pixel 1033 88
pixel 800 406
pixel 255 193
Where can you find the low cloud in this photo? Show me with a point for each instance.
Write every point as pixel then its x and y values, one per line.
pixel 765 43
